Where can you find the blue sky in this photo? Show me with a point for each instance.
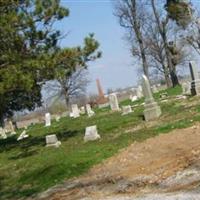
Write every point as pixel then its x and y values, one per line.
pixel 116 68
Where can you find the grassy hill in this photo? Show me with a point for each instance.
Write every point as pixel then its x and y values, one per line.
pixel 28 167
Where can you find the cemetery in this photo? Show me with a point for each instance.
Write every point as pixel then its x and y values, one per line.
pixel 76 123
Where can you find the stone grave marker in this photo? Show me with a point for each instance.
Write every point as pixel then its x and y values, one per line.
pixel 195 83
pixel 114 105
pixel 22 136
pixel 126 110
pixel 2 133
pixel 75 111
pixel 91 133
pixel 151 108
pixel 89 110
pixel 52 141
pixel 47 119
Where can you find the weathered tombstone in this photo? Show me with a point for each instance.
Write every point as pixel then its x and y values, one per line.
pixel 114 102
pixel 186 88
pixel 9 127
pixel 2 133
pixel 47 119
pixel 90 112
pixel 91 133
pixel 52 141
pixel 75 111
pixel 195 83
pixel 151 108
pixel 23 135
pixel 126 110
pixel 133 98
pixel 82 110
pixel 139 93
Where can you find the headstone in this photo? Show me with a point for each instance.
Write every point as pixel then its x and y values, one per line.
pixel 52 141
pixel 126 110
pixel 91 133
pixel 186 88
pixel 82 110
pixel 151 108
pixel 9 127
pixel 75 111
pixel 2 133
pixel 22 136
pixel 114 102
pixel 195 83
pixel 133 98
pixel 139 93
pixel 90 112
pixel 47 119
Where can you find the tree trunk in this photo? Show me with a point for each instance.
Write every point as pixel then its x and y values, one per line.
pixel 163 34
pixel 136 26
pixel 167 79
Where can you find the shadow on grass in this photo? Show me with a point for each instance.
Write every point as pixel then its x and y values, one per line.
pixel 32 141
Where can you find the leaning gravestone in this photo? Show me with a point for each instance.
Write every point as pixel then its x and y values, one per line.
pixel 89 110
pixel 75 111
pixel 126 110
pixel 195 83
pixel 52 141
pixel 22 136
pixel 2 133
pixel 114 105
pixel 47 119
pixel 151 108
pixel 91 133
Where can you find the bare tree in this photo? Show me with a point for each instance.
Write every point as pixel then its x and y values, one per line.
pixel 69 88
pixel 131 15
pixel 161 24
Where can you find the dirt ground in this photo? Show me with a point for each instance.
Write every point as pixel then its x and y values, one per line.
pixel 164 167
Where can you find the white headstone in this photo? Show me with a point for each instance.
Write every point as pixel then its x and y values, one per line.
pixel 195 83
pixel 23 135
pixel 47 119
pixel 186 88
pixel 82 110
pixel 126 110
pixel 51 140
pixel 114 105
pixel 2 133
pixel 89 110
pixel 139 92
pixel 151 108
pixel 75 111
pixel 133 98
pixel 91 133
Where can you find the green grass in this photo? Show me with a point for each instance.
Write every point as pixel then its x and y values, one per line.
pixel 28 167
